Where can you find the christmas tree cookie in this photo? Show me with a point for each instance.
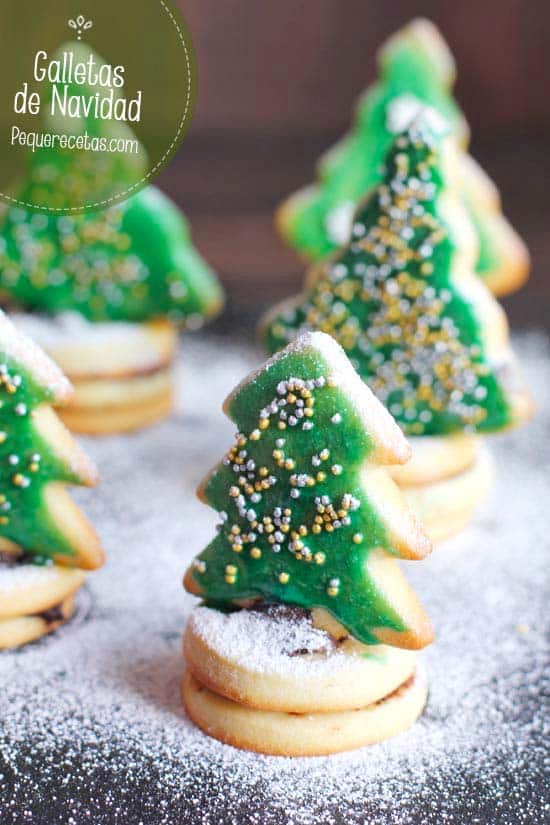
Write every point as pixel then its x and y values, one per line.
pixel 127 274
pixel 416 70
pixel 46 543
pixel 305 644
pixel 420 329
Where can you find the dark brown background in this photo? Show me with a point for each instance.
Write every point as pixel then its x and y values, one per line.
pixel 277 83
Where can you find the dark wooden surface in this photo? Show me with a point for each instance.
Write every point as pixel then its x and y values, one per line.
pixel 294 66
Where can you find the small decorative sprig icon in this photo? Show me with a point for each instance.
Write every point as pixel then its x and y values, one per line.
pixel 80 24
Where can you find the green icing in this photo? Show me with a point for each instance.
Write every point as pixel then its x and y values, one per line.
pixel 389 298
pixel 296 523
pixel 488 256
pixel 27 464
pixel 133 261
pixel 353 166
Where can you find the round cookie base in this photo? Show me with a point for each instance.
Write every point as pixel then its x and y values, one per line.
pixel 436 457
pixel 29 589
pixel 110 350
pixel 291 734
pixel 344 675
pixel 121 371
pixel 446 507
pixel 21 630
pixel 117 418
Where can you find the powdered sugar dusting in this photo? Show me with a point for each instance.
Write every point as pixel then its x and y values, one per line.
pixel 67 335
pixel 92 728
pixel 391 445
pixel 52 331
pixel 339 222
pixel 402 110
pixel 23 576
pixel 267 642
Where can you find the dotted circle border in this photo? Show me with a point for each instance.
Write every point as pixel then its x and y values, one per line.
pixel 143 180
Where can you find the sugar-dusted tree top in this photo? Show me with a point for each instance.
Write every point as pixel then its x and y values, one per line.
pixel 401 299
pixel 309 515
pixel 416 69
pixel 38 457
pixel 133 261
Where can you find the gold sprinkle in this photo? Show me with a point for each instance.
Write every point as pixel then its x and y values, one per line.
pixel 522 628
pixel 283 578
pixel 256 553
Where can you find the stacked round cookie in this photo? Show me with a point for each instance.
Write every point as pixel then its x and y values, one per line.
pixel 121 372
pixel 37 594
pixel 34 599
pixel 304 564
pixel 37 591
pixel 269 679
pixel 445 480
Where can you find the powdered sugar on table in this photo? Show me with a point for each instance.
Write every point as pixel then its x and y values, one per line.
pixel 92 728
